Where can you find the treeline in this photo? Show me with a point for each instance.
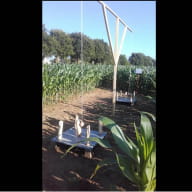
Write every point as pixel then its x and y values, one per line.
pixel 67 48
pixel 141 59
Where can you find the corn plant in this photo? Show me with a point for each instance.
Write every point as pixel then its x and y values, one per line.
pixel 69 79
pixel 137 161
pixel 153 97
pixel 62 80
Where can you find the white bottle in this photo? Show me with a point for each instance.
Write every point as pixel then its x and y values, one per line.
pixel 60 131
pixel 88 131
pixel 81 123
pixel 77 126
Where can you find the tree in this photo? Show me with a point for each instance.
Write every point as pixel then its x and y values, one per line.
pixel 87 46
pixel 99 51
pixel 108 58
pixel 141 59
pixel 88 49
pixel 63 46
pixel 123 60
pixel 76 43
pixel 48 43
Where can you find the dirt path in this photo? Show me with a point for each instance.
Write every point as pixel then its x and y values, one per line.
pixel 73 171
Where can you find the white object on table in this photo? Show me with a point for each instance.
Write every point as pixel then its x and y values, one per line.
pixel 60 130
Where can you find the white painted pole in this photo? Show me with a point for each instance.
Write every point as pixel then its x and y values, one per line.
pixel 103 4
pixel 107 27
pixel 115 65
pixel 116 51
pixel 114 88
pixel 116 39
pixel 122 40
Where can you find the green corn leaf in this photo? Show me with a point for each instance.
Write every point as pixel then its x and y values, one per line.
pixel 149 97
pixel 151 115
pixel 107 122
pixel 141 145
pixel 154 83
pixel 128 168
pixel 138 137
pixel 148 170
pixel 127 146
pixel 150 186
pixel 150 166
pixel 102 142
pixel 103 163
pixel 132 144
pixel 147 132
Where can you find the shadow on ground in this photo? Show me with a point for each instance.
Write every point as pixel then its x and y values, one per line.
pixel 73 171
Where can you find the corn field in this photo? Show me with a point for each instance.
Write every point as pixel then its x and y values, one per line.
pixel 128 80
pixel 63 80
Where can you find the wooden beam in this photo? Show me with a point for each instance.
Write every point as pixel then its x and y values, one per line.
pixel 116 50
pixel 122 41
pixel 116 40
pixel 107 27
pixel 103 4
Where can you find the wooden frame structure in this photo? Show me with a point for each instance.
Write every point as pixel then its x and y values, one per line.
pixel 116 50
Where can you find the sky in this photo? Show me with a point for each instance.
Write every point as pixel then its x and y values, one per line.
pixel 87 17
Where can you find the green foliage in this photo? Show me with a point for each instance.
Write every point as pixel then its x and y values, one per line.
pixel 108 59
pixel 63 45
pixel 76 42
pixel 63 80
pixel 96 51
pixel 127 80
pixel 123 60
pixel 69 79
pixel 88 49
pixel 101 142
pixel 48 44
pixel 137 161
pixel 99 51
pixel 140 59
pixel 153 92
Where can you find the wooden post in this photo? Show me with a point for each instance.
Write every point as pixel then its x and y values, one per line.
pixel 88 154
pixel 117 50
pixel 116 59
pixel 60 131
pixel 114 89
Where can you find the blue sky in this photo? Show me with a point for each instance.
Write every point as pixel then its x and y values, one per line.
pixel 74 16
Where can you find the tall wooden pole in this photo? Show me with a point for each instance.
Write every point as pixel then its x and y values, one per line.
pixel 116 51
pixel 116 59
